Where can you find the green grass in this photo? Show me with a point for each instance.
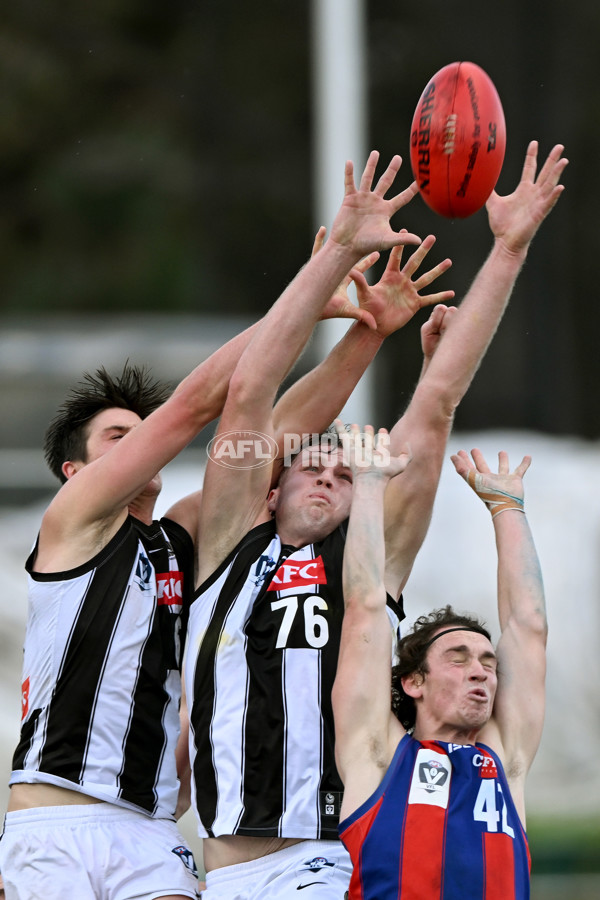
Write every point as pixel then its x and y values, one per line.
pixel 561 845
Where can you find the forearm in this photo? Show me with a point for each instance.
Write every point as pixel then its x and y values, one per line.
pixel 315 400
pixel 469 334
pixel 364 554
pixel 520 584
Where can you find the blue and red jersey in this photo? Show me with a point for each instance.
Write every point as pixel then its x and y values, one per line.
pixel 441 826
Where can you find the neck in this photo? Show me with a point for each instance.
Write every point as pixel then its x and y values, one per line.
pixel 450 734
pixel 142 508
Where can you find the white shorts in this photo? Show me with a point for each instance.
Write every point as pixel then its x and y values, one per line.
pixel 323 868
pixel 93 852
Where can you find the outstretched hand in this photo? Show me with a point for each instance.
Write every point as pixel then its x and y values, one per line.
pixel 499 491
pixel 514 219
pixel 363 221
pixel 367 453
pixel 395 298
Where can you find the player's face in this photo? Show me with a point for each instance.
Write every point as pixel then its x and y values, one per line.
pixel 316 491
pixel 104 432
pixel 460 686
pixel 106 429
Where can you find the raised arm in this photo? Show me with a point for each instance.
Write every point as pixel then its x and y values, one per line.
pixel 234 500
pixel 312 403
pixel 516 727
pixel 427 422
pixel 366 731
pixel 94 501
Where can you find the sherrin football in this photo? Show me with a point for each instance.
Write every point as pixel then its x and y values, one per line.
pixel 458 138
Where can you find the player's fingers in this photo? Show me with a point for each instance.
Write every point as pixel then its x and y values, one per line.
pixel 367 262
pixel 432 299
pixel 503 467
pixel 369 171
pixel 554 161
pixel 403 198
pixel 523 466
pixel 427 277
pixel 395 258
pixel 462 463
pixel 319 240
pixel 419 255
pixel 479 460
pixel 387 179
pixel 349 186
pixel 530 164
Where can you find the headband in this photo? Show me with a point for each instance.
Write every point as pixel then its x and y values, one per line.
pixel 458 628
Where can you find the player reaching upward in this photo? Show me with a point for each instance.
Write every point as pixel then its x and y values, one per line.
pixel 434 790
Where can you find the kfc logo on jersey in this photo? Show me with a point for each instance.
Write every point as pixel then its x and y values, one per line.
pixel 298 575
pixel 169 590
pixel 25 698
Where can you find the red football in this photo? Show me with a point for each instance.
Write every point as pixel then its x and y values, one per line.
pixel 457 141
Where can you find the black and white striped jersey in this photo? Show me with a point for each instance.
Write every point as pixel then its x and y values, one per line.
pixel 101 674
pixel 263 642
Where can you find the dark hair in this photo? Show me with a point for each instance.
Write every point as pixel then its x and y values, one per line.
pixel 412 654
pixel 66 436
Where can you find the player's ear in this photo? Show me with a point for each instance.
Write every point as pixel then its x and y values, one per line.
pixel 69 468
pixel 412 684
pixel 272 497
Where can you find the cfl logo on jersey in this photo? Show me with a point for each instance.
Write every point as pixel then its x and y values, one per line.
pixel 430 783
pixel 187 858
pixel 486 765
pixel 298 575
pixel 169 590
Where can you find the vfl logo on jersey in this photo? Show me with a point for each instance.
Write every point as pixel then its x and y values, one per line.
pixel 265 564
pixel 298 575
pixel 330 802
pixel 169 590
pixel 25 698
pixel 187 858
pixel 431 777
pixel 144 573
pixel 486 765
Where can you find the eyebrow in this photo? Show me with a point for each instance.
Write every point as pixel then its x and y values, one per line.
pixel 122 428
pixel 463 648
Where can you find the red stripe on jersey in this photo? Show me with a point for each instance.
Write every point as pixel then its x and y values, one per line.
pixel 499 867
pixel 354 837
pixel 423 852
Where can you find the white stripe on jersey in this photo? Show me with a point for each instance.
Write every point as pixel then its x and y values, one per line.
pixel 304 753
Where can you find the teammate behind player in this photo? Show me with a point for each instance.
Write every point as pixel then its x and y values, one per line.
pixel 434 790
